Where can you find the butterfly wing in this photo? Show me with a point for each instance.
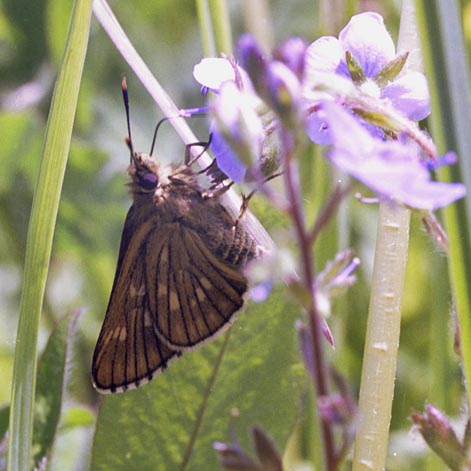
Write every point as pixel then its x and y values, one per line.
pixel 128 352
pixel 176 287
pixel 196 293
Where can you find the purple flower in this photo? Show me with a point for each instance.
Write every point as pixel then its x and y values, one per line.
pixel 436 429
pixel 373 71
pixel 237 132
pixel 213 72
pixel 393 169
pixel 226 158
pixel 243 128
pixel 251 105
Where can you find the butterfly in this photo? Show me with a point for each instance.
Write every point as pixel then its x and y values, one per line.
pixel 179 279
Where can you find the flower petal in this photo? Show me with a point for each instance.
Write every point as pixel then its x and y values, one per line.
pixel 226 158
pixel 409 94
pixel 366 37
pixel 323 56
pixel 317 129
pixel 342 124
pixel 392 169
pixel 213 72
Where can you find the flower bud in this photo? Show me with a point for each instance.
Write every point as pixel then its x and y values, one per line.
pixel 284 94
pixel 292 53
pixel 436 430
pixel 240 127
pixel 253 60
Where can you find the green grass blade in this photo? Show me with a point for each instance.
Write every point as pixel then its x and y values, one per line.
pixel 206 28
pixel 52 379
pixel 40 234
pixel 447 71
pixel 221 26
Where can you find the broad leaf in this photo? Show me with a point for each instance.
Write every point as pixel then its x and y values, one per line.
pixel 150 428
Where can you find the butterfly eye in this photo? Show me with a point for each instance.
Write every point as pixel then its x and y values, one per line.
pixel 149 181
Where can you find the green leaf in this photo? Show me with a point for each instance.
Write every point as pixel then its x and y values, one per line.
pixel 391 70
pixel 260 375
pixel 41 232
pixel 4 417
pixel 354 68
pixel 77 417
pixel 52 378
pixel 448 74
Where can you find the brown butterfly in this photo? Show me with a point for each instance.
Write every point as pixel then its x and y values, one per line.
pixel 179 277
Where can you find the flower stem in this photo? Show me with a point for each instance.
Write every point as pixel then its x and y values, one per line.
pixel 382 339
pixel 292 184
pixel 384 316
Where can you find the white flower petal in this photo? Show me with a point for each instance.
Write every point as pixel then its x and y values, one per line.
pixel 366 37
pixel 213 72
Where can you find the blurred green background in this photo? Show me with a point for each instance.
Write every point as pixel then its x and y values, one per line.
pixel 94 198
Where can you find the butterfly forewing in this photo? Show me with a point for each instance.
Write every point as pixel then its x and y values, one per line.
pixel 128 352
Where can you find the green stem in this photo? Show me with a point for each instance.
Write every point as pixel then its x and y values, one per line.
pixel 448 70
pixel 206 28
pixel 221 26
pixel 382 339
pixel 384 316
pixel 40 235
pixel 258 20
pixel 204 403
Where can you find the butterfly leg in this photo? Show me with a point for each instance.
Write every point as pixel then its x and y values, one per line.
pixel 215 192
pixel 244 206
pixel 204 144
pixel 246 198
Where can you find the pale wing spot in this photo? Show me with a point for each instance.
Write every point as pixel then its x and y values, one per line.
pixel 109 336
pixel 137 292
pixel 206 283
pixel 120 334
pixel 200 294
pixel 147 319
pixel 162 290
pixel 174 302
pixel 164 257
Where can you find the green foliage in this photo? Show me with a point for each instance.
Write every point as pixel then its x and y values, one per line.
pixel 53 370
pixel 261 374
pixel 261 377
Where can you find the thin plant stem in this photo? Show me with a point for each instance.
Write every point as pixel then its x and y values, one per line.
pixel 384 315
pixel 221 26
pixel 291 178
pixel 40 235
pixel 258 20
pixel 206 28
pixel 382 339
pixel 326 213
pixel 204 403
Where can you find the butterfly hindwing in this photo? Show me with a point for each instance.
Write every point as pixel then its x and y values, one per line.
pixel 128 352
pixel 196 294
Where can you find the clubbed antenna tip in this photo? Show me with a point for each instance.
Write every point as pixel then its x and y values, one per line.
pixel 124 88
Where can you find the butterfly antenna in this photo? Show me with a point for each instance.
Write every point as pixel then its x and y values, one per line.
pixel 155 134
pixel 124 88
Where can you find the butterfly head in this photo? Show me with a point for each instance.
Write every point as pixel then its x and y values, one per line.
pixel 144 172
